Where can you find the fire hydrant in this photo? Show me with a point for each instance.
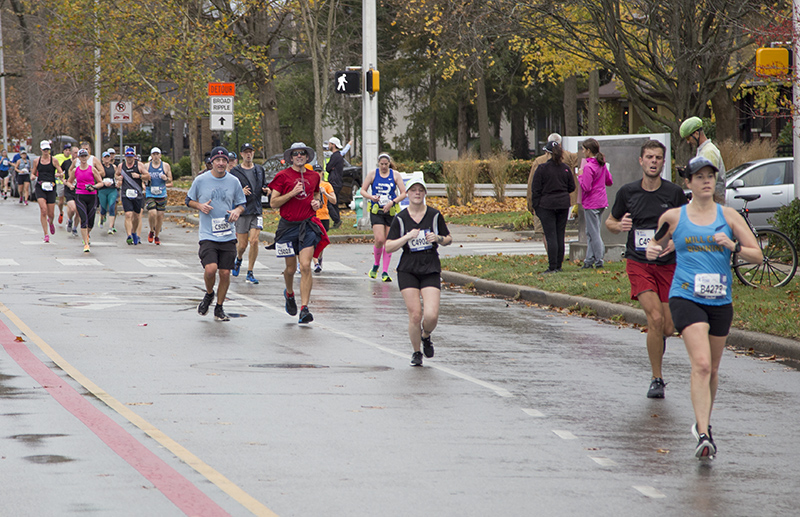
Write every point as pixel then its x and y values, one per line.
pixel 357 205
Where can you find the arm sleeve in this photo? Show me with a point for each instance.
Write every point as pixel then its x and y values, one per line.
pixel 277 183
pixel 394 230
pixel 620 206
pixel 193 192
pixel 239 197
pixel 442 226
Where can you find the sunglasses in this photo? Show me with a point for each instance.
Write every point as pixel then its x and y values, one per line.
pixel 299 153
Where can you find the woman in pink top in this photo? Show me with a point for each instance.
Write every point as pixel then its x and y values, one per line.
pixel 594 178
pixel 86 179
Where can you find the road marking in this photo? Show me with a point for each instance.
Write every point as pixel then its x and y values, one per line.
pixel 32 243
pixel 336 267
pixel 106 244
pixel 177 244
pixel 160 263
pixel 497 389
pixel 533 412
pixel 649 491
pixel 79 262
pixel 565 435
pixel 8 262
pixel 174 486
pixel 603 462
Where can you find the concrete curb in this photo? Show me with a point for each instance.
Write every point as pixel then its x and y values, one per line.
pixel 744 339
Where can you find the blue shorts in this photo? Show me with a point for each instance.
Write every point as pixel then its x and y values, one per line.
pixel 291 233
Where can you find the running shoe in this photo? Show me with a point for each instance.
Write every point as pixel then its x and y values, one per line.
pixel 705 449
pixel 151 236
pixel 110 232
pixel 46 238
pixel 416 359
pixel 656 390
pixel 202 309
pixel 102 220
pixel 219 314
pixel 129 240
pixel 291 304
pixel 697 435
pixel 69 226
pixel 373 273
pixel 385 277
pixel 60 218
pixel 114 230
pixel 305 315
pixel 26 202
pixel 587 266
pixel 75 231
pixel 317 268
pixel 86 248
pixel 135 239
pixel 157 241
pixel 427 347
pixel 20 200
pixel 52 227
pixel 237 263
pixel 251 278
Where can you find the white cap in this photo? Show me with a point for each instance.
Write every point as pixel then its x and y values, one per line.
pixel 335 141
pixel 155 150
pixel 111 150
pixel 45 144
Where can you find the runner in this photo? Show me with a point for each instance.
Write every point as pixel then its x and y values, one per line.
pixel 300 233
pixel 61 157
pixel 388 191
pixel 636 210
pixel 47 171
pixel 219 198
pixel 23 168
pixel 249 225
pixel 107 196
pixel 323 214
pixel 132 172
pixel 704 234
pixel 160 181
pixel 419 230
pixel 69 194
pixel 85 178
pixel 233 161
pixel 5 174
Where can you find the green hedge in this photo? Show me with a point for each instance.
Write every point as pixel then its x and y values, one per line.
pixel 787 220
pixel 520 169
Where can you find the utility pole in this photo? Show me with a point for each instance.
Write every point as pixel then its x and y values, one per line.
pixel 369 102
pixel 3 87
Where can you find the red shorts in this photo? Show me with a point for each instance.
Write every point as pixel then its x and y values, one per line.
pixel 649 277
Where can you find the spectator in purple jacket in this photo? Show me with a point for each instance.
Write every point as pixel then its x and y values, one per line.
pixel 593 178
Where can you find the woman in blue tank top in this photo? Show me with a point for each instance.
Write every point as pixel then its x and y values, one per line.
pixel 704 234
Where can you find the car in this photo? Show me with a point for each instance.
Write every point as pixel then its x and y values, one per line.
pixel 772 178
pixel 351 179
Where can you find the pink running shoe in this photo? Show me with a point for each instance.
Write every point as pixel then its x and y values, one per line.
pixel 46 238
pixel 52 227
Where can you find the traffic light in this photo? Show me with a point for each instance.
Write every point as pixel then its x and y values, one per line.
pixel 373 80
pixel 348 82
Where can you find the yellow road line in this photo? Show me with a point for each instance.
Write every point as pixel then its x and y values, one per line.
pixel 224 484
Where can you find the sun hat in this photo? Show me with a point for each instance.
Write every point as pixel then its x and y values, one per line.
pixel 287 154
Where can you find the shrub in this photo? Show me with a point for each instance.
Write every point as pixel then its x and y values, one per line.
pixel 737 153
pixel 183 167
pixel 524 222
pixel 451 182
pixel 467 175
pixel 499 173
pixel 787 220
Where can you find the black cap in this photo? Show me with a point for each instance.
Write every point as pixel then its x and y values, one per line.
pixel 232 156
pixel 217 152
pixel 247 147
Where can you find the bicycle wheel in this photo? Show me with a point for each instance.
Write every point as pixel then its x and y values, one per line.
pixel 779 264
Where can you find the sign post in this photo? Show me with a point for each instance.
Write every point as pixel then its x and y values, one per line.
pixel 121 113
pixel 220 110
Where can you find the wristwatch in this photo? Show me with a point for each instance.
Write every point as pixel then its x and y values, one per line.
pixel 738 247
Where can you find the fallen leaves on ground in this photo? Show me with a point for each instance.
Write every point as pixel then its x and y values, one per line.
pixel 479 205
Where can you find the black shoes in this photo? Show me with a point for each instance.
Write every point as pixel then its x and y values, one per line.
pixel 219 314
pixel 416 359
pixel 291 304
pixel 305 315
pixel 705 450
pixel 656 390
pixel 202 309
pixel 427 347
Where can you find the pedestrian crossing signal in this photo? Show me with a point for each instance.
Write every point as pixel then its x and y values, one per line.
pixel 348 82
pixel 373 81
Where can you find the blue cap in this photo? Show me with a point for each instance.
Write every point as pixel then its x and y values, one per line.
pixel 105 154
pixel 130 151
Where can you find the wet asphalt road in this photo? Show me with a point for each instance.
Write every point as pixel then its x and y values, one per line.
pixel 522 411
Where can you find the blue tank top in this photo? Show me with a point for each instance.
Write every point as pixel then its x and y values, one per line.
pixel 703 271
pixel 157 186
pixel 385 189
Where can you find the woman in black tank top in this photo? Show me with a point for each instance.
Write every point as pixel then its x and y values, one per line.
pixel 47 170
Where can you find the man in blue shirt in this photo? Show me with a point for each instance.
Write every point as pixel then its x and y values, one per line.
pixel 220 199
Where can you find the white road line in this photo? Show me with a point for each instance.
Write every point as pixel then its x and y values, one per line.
pixel 497 389
pixel 565 435
pixel 603 462
pixel 148 262
pixel 8 262
pixel 649 491
pixel 177 244
pixel 336 267
pixel 79 262
pixel 106 244
pixel 533 412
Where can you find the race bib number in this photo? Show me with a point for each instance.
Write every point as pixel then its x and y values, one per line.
pixel 710 285
pixel 131 193
pixel 260 222
pixel 47 186
pixel 419 243
pixel 642 238
pixel 156 191
pixel 221 227
pixel 284 249
pixel 383 200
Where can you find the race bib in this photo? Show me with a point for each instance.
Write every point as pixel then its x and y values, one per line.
pixel 220 226
pixel 419 243
pixel 383 200
pixel 710 285
pixel 156 191
pixel 642 238
pixel 47 186
pixel 259 222
pixel 132 193
pixel 284 249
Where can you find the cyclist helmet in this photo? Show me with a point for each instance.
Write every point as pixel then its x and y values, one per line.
pixel 690 125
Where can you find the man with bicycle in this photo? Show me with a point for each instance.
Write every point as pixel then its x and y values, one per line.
pixel 636 210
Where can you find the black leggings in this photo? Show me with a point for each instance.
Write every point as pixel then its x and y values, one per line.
pixel 554 227
pixel 87 206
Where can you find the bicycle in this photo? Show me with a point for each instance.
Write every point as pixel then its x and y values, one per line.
pixel 780 256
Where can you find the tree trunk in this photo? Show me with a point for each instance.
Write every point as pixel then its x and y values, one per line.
pixel 570 106
pixel 593 109
pixel 483 118
pixel 33 96
pixel 520 147
pixel 194 145
pixel 463 129
pixel 432 121
pixel 726 115
pixel 270 125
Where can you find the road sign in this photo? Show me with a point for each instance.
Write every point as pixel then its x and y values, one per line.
pixel 121 112
pixel 217 89
pixel 347 82
pixel 221 122
pixel 221 105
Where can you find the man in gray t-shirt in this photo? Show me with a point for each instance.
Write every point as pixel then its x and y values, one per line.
pixel 249 225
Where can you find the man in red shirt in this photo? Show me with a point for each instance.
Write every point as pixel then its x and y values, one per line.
pixel 296 193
